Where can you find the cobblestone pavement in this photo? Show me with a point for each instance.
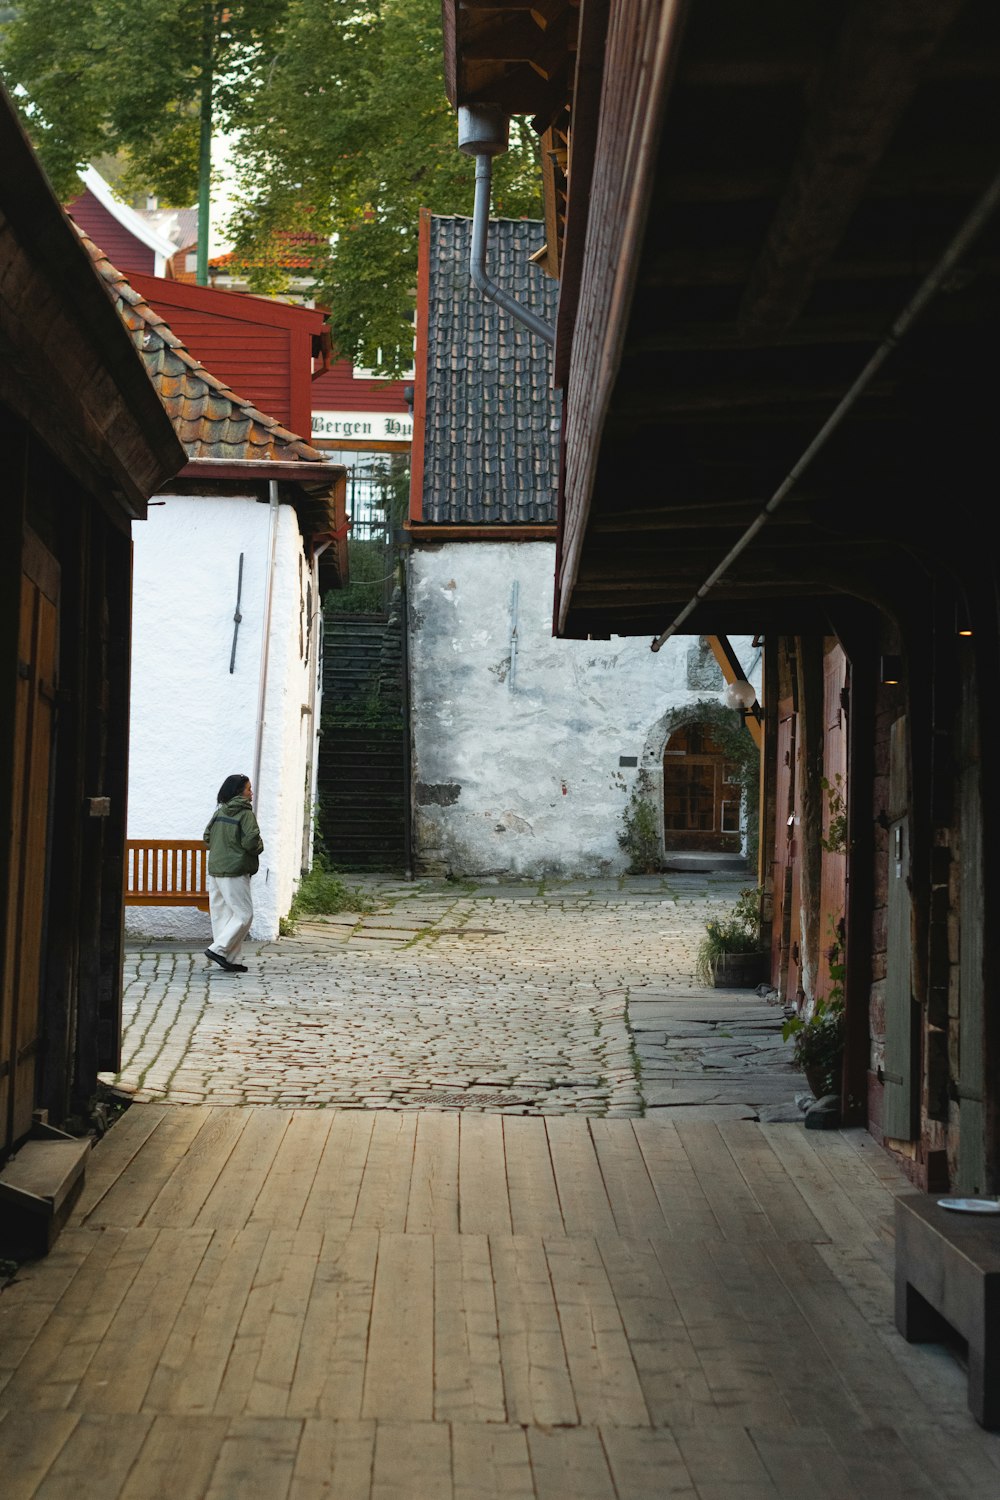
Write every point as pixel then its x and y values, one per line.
pixel 520 998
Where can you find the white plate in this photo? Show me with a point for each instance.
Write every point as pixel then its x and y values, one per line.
pixel 971 1205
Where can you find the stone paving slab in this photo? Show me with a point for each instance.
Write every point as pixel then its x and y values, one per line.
pixel 579 998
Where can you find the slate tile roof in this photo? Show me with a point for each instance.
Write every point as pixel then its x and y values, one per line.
pixel 491 437
pixel 209 418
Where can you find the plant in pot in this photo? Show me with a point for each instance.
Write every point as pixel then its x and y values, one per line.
pixel 730 953
pixel 818 1039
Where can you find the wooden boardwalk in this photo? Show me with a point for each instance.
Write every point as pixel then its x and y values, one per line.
pixel 349 1305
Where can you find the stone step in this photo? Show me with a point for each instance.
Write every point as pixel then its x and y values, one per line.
pixel 38 1186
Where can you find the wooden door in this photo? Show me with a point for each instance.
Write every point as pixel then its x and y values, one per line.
pixel 833 877
pixel 972 1083
pixel 901 1035
pixel 785 925
pixel 701 795
pixel 34 720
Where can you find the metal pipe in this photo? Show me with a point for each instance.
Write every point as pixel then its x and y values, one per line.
pixel 940 273
pixel 313 708
pixel 477 261
pixel 272 494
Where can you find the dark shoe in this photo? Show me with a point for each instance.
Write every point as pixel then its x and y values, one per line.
pixel 217 958
pixel 236 968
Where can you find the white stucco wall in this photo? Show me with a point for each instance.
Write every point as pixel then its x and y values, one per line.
pixel 516 754
pixel 193 722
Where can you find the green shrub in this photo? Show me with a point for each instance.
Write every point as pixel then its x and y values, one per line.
pixel 739 932
pixel 321 892
pixel 640 835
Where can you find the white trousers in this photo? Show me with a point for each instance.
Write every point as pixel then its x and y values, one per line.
pixel 231 911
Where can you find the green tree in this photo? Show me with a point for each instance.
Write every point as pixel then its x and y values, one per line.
pixel 352 135
pixel 137 79
pixel 339 116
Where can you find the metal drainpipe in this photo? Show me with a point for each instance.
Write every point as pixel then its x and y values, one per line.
pixel 315 700
pixel 482 133
pixel 272 495
pixel 983 211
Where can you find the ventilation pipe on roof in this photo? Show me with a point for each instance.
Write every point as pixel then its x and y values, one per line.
pixel 482 133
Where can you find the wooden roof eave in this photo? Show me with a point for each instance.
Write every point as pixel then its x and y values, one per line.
pixel 604 272
pixel 316 491
pixel 90 399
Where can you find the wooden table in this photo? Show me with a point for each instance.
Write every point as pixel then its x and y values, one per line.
pixel 948 1272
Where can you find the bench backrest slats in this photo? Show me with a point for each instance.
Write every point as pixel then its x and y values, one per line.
pixel 166 872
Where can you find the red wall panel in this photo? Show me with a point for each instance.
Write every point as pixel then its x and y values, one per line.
pixel 124 251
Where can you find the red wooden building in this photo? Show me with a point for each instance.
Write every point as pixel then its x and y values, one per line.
pixel 777 236
pixel 265 350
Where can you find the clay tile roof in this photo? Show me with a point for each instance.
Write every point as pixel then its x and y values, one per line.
pixel 289 250
pixel 209 418
pixel 490 445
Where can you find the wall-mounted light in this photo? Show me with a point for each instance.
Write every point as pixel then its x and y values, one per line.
pixel 963 625
pixel 891 669
pixel 741 694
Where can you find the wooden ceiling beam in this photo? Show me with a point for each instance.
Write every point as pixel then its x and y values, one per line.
pixel 504 38
pixel 556 45
pixel 871 77
pixel 516 88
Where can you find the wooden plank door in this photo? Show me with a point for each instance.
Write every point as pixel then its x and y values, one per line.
pixel 833 874
pixel 34 720
pixel 901 1050
pixel 972 1165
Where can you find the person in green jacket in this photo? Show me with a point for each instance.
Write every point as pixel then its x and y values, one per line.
pixel 234 850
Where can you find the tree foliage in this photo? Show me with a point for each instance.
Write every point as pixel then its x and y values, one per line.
pixel 352 135
pixel 124 78
pixel 338 115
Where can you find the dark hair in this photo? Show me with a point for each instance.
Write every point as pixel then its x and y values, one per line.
pixel 232 787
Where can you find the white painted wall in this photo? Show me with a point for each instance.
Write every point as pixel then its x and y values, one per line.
pixel 516 752
pixel 193 722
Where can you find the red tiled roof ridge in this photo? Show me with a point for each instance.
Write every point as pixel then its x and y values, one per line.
pixel 196 400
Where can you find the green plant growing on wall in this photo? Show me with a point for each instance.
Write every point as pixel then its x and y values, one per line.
pixel 739 932
pixel 322 893
pixel 640 833
pixel 835 839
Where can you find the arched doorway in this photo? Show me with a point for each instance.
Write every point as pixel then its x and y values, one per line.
pixel 701 793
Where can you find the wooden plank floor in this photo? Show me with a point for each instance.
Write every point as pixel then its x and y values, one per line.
pixel 322 1305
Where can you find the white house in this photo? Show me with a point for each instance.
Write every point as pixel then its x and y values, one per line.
pixel 229 572
pixel 526 749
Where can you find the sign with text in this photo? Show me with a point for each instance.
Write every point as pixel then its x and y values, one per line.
pixel 359 426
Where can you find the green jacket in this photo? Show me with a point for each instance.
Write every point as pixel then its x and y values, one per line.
pixel 233 839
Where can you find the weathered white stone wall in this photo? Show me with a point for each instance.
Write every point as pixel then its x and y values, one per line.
pixel 517 737
pixel 192 721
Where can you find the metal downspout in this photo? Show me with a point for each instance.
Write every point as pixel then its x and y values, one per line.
pixel 956 249
pixel 482 133
pixel 477 261
pixel 314 707
pixel 272 495
pixel 403 553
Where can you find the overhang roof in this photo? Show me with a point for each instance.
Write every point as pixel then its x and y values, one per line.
pixel 225 437
pixel 756 193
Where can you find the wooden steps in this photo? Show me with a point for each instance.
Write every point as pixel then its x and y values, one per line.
pixel 39 1186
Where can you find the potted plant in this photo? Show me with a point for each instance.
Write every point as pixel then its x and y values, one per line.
pixel 730 954
pixel 818 1045
pixel 818 1039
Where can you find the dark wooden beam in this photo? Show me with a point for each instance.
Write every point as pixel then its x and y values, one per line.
pixel 871 77
pixel 503 38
